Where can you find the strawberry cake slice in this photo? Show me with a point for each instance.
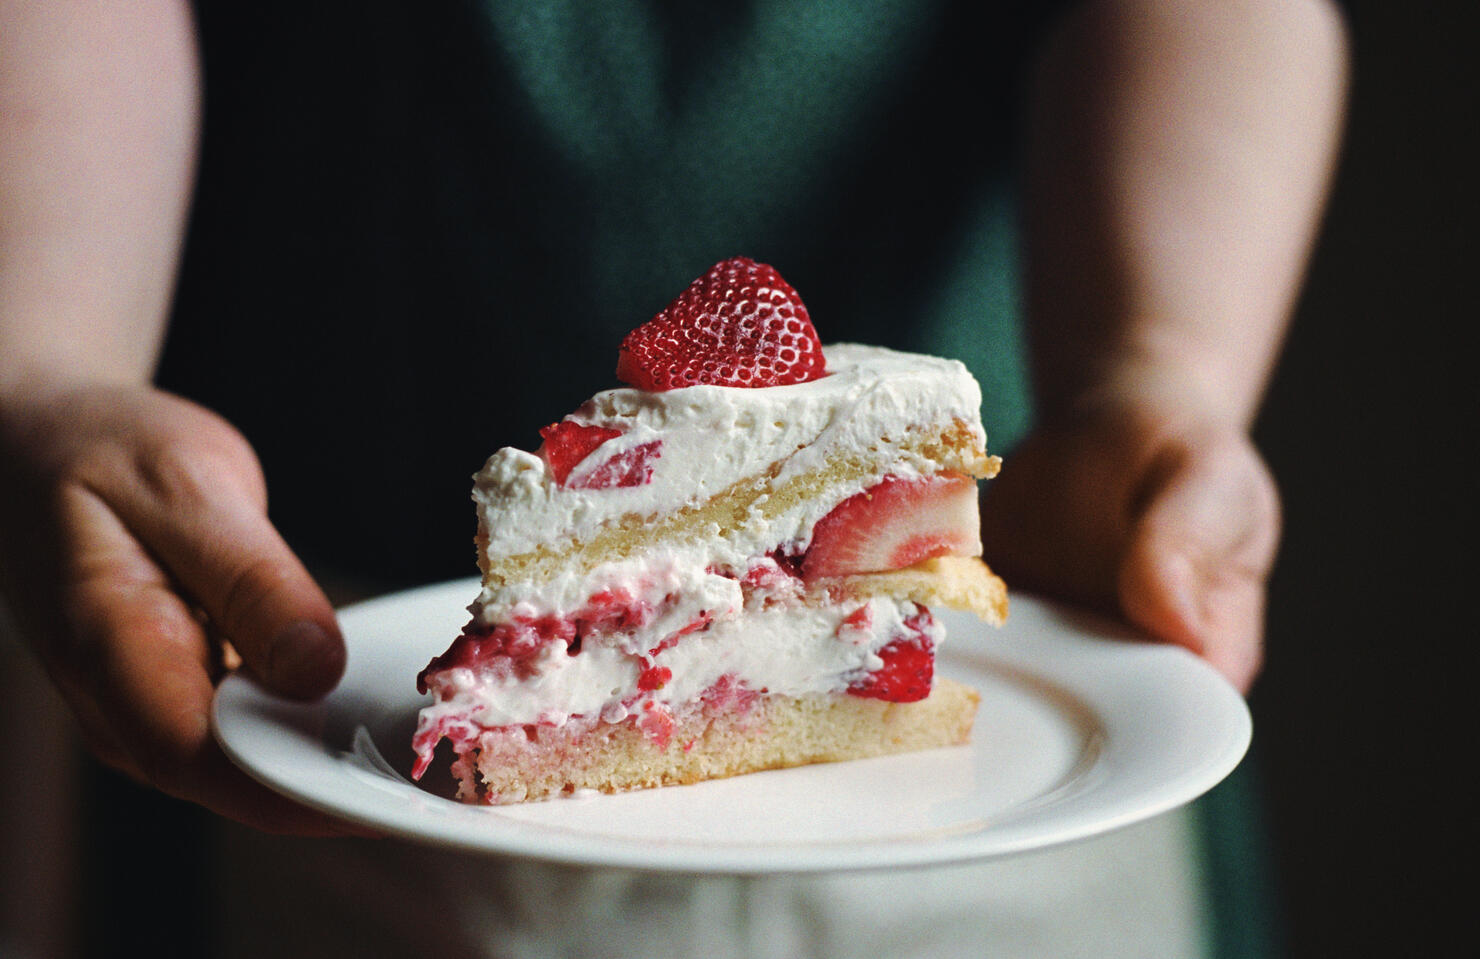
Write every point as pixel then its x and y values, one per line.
pixel 725 567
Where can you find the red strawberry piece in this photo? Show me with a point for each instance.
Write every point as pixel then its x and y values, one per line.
pixel 654 678
pixel 857 624
pixel 631 467
pixel 497 647
pixel 613 610
pixel 567 443
pixel 740 324
pixel 656 722
pixel 897 523
pixel 909 665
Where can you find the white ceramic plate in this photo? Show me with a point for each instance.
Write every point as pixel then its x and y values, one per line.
pixel 1082 729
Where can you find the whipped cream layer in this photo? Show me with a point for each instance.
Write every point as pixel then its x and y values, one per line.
pixel 764 645
pixel 712 437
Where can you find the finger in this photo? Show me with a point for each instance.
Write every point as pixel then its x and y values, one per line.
pixel 1200 552
pixel 206 521
pixel 141 658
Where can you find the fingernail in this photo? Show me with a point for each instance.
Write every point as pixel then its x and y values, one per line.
pixel 305 661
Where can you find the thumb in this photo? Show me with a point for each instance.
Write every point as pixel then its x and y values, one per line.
pixel 1202 543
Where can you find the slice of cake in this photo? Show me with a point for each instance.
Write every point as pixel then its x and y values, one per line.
pixel 726 567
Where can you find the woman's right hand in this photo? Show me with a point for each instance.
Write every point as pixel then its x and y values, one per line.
pixel 137 557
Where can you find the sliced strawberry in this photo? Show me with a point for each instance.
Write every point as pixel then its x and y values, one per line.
pixel 631 467
pixel 740 324
pixel 909 665
pixel 567 443
pixel 895 524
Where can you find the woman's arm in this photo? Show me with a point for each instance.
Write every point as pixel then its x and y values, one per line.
pixel 99 107
pixel 1178 159
pixel 133 528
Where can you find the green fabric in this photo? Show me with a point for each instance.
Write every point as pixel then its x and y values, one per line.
pixel 716 124
pixel 982 284
pixel 1239 892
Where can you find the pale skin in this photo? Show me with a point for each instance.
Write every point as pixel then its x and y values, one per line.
pixel 1179 158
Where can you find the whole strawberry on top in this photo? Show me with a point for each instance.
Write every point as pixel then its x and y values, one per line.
pixel 740 324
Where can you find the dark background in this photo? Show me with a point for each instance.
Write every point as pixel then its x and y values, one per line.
pixel 1363 718
pixel 1363 738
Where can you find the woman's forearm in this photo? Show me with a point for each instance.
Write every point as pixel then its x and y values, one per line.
pixel 99 113
pixel 1179 158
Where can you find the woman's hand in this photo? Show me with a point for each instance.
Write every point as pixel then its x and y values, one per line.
pixel 1177 158
pixel 1169 522
pixel 136 554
